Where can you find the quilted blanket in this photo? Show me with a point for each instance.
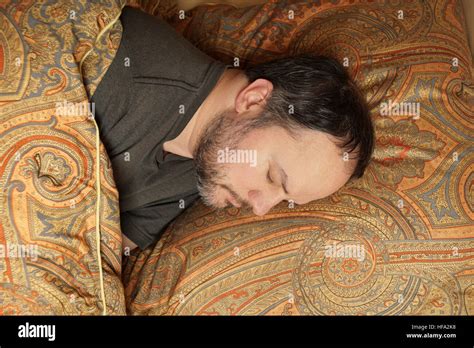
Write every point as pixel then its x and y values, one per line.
pixel 60 240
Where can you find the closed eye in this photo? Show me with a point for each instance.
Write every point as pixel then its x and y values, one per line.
pixel 283 182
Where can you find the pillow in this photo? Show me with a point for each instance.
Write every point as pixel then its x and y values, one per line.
pixel 396 242
pixel 60 240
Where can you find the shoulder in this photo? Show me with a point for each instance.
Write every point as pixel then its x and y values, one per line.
pixel 157 51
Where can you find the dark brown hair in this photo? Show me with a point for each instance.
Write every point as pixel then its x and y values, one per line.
pixel 322 97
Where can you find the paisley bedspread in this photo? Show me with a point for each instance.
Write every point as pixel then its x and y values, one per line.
pixel 411 214
pixel 60 237
pixel 410 217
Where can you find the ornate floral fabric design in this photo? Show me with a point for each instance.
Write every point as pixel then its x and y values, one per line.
pixel 56 52
pixel 412 212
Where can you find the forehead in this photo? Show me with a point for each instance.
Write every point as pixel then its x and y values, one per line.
pixel 314 164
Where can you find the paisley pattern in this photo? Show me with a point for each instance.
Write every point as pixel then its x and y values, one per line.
pixel 51 53
pixel 411 214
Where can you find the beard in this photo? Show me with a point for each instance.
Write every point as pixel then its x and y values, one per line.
pixel 221 132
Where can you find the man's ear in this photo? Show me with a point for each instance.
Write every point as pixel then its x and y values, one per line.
pixel 255 95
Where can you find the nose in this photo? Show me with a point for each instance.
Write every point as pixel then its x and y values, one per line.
pixel 260 205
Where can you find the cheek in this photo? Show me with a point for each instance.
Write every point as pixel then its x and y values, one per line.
pixel 244 178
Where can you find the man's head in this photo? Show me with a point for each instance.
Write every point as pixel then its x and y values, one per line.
pixel 298 132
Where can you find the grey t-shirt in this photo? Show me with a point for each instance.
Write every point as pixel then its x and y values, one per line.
pixel 150 92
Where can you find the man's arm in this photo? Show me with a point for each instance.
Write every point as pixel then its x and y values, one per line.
pixel 127 243
pixel 145 225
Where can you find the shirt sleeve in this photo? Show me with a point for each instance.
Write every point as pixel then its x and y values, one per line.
pixel 145 225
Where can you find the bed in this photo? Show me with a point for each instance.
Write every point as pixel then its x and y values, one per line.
pixel 412 211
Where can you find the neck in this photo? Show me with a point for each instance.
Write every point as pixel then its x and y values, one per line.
pixel 222 97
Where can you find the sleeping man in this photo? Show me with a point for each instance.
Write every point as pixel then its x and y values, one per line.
pixel 179 125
